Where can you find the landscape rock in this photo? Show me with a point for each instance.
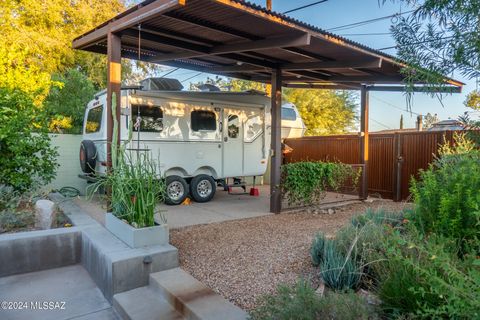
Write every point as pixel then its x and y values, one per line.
pixel 45 211
pixel 331 211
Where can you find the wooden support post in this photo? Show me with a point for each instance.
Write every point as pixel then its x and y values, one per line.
pixel 114 69
pixel 364 141
pixel 276 142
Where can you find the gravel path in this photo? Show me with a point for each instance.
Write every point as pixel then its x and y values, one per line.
pixel 245 259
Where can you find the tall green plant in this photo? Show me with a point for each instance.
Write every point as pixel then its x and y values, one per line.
pixel 307 182
pixel 447 197
pixel 135 182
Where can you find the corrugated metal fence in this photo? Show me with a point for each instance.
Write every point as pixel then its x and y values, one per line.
pixel 393 158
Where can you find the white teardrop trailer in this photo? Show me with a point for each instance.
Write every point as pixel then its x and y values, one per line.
pixel 201 138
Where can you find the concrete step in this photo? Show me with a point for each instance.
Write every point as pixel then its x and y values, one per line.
pixel 144 303
pixel 193 299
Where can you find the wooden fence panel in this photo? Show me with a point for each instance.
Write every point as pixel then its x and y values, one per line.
pixel 394 158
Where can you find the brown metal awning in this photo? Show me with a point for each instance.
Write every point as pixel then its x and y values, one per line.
pixel 241 40
pixel 238 39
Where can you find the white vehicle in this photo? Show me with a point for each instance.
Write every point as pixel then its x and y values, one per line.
pixel 200 138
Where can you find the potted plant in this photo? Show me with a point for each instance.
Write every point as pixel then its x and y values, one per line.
pixel 136 187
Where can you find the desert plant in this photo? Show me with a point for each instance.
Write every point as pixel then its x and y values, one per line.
pixel 307 182
pixel 379 216
pixel 317 249
pixel 300 302
pixel 337 270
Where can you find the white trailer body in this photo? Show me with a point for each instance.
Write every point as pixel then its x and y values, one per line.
pixel 192 134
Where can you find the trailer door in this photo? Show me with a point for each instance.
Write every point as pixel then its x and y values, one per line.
pixel 232 143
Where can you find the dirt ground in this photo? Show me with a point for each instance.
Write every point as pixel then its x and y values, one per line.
pixel 245 259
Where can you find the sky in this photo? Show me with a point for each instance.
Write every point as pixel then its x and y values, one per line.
pixel 386 108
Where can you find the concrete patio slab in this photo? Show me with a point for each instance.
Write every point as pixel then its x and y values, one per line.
pixel 223 207
pixel 70 285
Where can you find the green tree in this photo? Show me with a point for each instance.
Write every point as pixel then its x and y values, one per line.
pixel 324 111
pixel 65 103
pixel 442 36
pixel 36 38
pixel 26 158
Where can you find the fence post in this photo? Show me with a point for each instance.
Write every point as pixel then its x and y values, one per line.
pixel 364 136
pixel 397 187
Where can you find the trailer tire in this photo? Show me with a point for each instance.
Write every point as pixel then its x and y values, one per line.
pixel 176 190
pixel 202 188
pixel 88 156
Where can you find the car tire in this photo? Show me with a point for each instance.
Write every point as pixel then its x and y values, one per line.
pixel 202 188
pixel 88 156
pixel 176 190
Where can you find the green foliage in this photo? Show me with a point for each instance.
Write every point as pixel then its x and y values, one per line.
pixel 441 36
pixel 424 278
pixel 69 100
pixel 135 182
pixel 339 271
pixel 306 182
pixel 447 201
pixel 379 217
pixel 324 111
pixel 300 302
pixel 27 159
pixel 318 248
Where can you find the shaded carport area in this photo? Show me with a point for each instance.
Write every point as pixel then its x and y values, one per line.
pixel 240 40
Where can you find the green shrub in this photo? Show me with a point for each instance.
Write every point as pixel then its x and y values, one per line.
pixel 16 220
pixel 307 182
pixel 27 159
pixel 447 197
pixel 379 216
pixel 300 302
pixel 424 278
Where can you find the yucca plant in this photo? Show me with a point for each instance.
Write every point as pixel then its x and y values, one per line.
pixel 317 249
pixel 135 181
pixel 338 271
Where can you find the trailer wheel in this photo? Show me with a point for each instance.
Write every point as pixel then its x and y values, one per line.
pixel 88 156
pixel 202 188
pixel 177 190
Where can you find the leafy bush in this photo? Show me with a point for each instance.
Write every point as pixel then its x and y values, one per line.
pixel 424 278
pixel 300 302
pixel 27 159
pixel 447 201
pixel 307 182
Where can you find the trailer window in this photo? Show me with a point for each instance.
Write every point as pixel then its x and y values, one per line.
pixel 233 126
pixel 94 120
pixel 203 120
pixel 288 114
pixel 253 128
pixel 151 118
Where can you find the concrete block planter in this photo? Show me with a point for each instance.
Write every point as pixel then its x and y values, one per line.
pixel 136 238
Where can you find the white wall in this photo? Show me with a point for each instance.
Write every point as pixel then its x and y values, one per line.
pixel 68 146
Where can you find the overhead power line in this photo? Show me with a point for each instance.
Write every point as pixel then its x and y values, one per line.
pixel 305 6
pixel 191 77
pixel 169 72
pixel 394 106
pixel 365 34
pixel 378 122
pixel 364 22
pixel 415 43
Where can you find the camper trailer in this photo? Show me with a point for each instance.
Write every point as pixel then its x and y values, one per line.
pixel 201 138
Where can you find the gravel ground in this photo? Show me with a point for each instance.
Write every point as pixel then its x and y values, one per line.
pixel 245 259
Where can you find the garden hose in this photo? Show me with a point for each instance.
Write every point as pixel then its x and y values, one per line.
pixel 69 192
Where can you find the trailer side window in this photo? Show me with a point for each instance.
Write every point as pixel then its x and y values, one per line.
pixel 203 120
pixel 151 118
pixel 233 126
pixel 288 114
pixel 94 120
pixel 253 128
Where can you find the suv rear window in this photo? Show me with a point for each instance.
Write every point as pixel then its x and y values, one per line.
pixel 203 120
pixel 94 120
pixel 288 114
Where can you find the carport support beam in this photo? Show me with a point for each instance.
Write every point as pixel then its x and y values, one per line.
pixel 364 135
pixel 114 68
pixel 276 142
